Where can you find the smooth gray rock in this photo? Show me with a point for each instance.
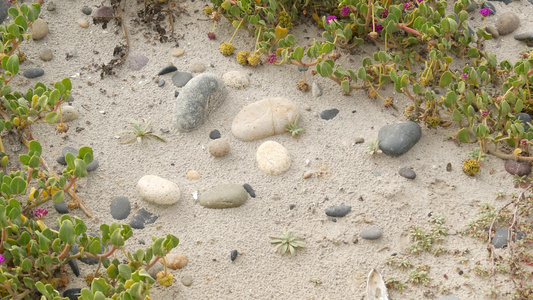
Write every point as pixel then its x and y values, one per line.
pixel 397 139
pixel 407 173
pixel 142 218
pixel 249 190
pixel 234 254
pixel 197 100
pixel 338 211
pixel 4 6
pixel 33 73
pixel 167 69
pixel 500 237
pixel 329 114
pixel 180 79
pixel 61 208
pixel 371 233
pixel 46 54
pixel 87 10
pixel 525 37
pixel 520 168
pixel 160 83
pixel 507 22
pixel 215 134
pixel 72 294
pixel 73 264
pixel 524 119
pixel 51 6
pixel 224 196
pixel 186 280
pixel 120 208
pixel 136 62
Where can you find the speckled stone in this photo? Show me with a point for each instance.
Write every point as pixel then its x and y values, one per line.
pixel 338 211
pixel 46 54
pixel 397 139
pixel 507 22
pixel 219 147
pixel 272 158
pixel 158 190
pixel 407 173
pixel 329 114
pixel 39 29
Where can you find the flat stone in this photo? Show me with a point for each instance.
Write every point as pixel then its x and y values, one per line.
pixel 371 233
pixel 219 147
pixel 500 237
pixel 177 52
pixel 249 190
pixel 72 294
pixel 86 10
pixel 186 280
pixel 338 211
pixel 316 90
pixel 196 67
pixel 104 12
pixel 180 79
pixel 264 118
pixel 46 54
pixel 493 31
pixel 224 196
pixel 520 168
pixel 407 173
pixel 39 29
pixel 215 134
pixel 507 22
pixel 329 114
pixel 160 83
pixel 142 218
pixel 73 264
pixel 197 100
pixel 83 23
pixel 236 79
pixel 69 113
pixel 272 158
pixel 61 208
pixel 525 37
pixel 397 139
pixel 33 72
pixel 524 119
pixel 176 261
pixel 4 6
pixel 158 190
pixel 137 62
pixel 233 255
pixel 167 69
pixel 120 208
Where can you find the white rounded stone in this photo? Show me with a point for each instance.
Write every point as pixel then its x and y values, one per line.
pixel 272 158
pixel 69 113
pixel 158 190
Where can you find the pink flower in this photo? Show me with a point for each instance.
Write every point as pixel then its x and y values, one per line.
pixel 485 11
pixel 485 113
pixel 2 259
pixel 345 10
pixel 40 212
pixel 211 35
pixel 271 58
pixel 385 13
pixel 330 18
pixel 378 27
pixel 419 1
pixel 523 142
pixel 464 75
pixel 409 6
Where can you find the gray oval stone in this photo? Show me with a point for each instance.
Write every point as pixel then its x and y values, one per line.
pixel 371 233
pixel 186 280
pixel 167 69
pixel 198 98
pixel 86 10
pixel 407 173
pixel 33 72
pixel 160 83
pixel 74 266
pixel 61 208
pixel 180 79
pixel 234 254
pixel 249 190
pixel 524 119
pixel 120 208
pixel 507 22
pixel 329 114
pixel 517 167
pixel 224 196
pixel 338 211
pixel 46 54
pixel 397 139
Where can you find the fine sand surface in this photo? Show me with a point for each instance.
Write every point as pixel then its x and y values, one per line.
pixel 336 261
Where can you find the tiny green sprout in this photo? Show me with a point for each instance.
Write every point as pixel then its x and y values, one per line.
pixel 287 241
pixel 475 154
pixel 294 129
pixel 373 147
pixel 141 130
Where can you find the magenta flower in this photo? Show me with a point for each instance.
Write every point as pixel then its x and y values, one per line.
pixel 345 10
pixel 40 212
pixel 330 18
pixel 485 113
pixel 211 35
pixel 523 142
pixel 409 6
pixel 2 259
pixel 385 13
pixel 464 75
pixel 485 11
pixel 378 27
pixel 271 58
pixel 419 1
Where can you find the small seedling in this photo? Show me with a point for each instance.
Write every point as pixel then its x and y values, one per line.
pixel 294 129
pixel 373 147
pixel 420 275
pixel 141 130
pixel 287 241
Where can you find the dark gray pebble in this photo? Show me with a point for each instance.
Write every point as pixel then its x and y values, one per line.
pixel 74 266
pixel 301 69
pixel 93 165
pixel 87 10
pixel 501 235
pixel 407 173
pixel 33 72
pixel 516 167
pixel 449 167
pixel 120 208
pixel 338 211
pixel 215 134
pixel 234 255
pixel 167 69
pixel 397 139
pixel 180 79
pixel 329 114
pixel 72 294
pixel 371 233
pixel 61 208
pixel 160 83
pixel 67 149
pixel 142 218
pixel 4 6
pixel 176 93
pixel 249 189
pixel 524 119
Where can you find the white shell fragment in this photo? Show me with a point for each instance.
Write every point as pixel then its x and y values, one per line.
pixel 375 287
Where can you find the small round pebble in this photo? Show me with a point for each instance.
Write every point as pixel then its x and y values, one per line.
pixel 186 280
pixel 196 67
pixel 39 29
pixel 407 173
pixel 46 54
pixel 359 140
pixel 249 189
pixel 120 208
pixel 177 52
pixel 83 23
pixel 160 83
pixel 371 233
pixel 338 211
pixel 87 10
pixel 33 72
pixel 180 79
pixel 69 113
pixel 215 134
pixel 449 167
pixel 329 114
pixel 219 147
pixel 233 255
pixel 61 208
pixel 193 174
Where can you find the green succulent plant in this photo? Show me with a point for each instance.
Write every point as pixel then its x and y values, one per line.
pixel 287 242
pixel 294 129
pixel 140 130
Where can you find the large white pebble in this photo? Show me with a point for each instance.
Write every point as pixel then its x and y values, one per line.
pixel 272 158
pixel 69 113
pixel 158 190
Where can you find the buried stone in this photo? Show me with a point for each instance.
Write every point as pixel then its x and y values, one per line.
pixel 338 211
pixel 224 196
pixel 397 139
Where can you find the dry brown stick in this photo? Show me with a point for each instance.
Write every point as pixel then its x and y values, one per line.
pixel 125 33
